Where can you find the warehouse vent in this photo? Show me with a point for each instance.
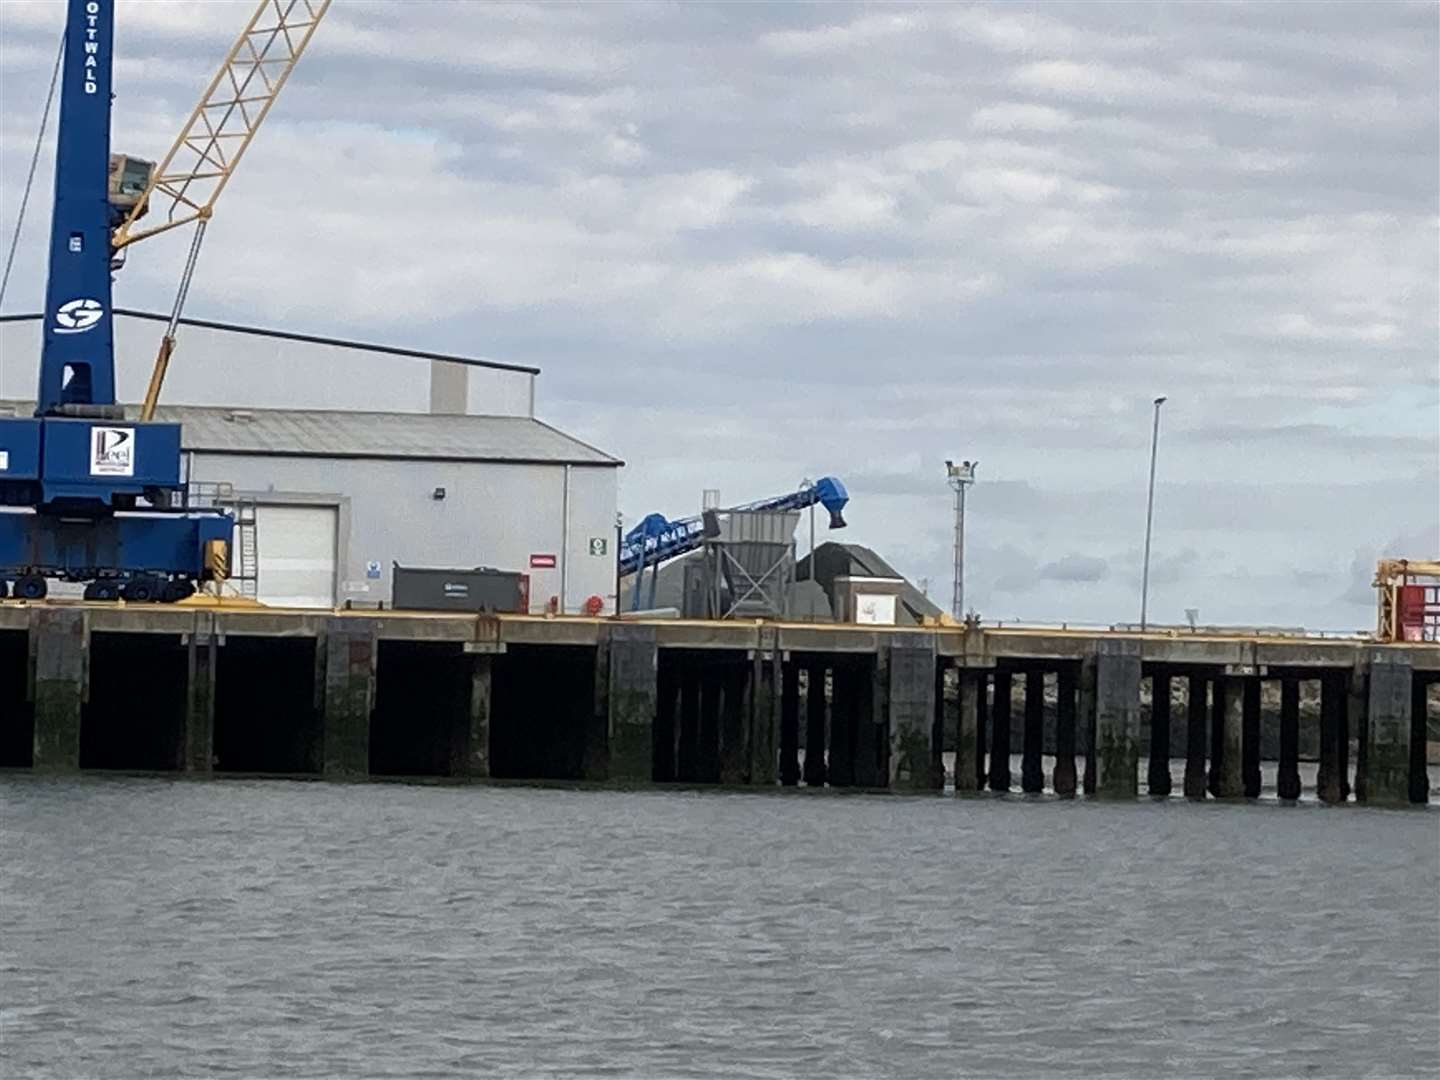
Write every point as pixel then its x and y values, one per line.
pixel 240 416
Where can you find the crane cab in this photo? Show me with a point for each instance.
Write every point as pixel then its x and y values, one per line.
pixel 129 177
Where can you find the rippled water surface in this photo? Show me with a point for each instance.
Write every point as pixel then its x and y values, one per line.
pixel 157 928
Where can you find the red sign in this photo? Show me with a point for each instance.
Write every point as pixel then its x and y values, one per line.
pixel 542 562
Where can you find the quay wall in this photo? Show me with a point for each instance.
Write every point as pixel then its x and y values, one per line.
pixel 353 695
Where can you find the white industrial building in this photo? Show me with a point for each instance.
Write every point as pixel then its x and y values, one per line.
pixel 360 456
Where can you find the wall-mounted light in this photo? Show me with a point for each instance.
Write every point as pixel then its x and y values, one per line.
pixel 438 494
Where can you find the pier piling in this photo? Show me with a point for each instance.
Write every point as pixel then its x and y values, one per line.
pixel 1328 781
pixel 350 659
pixel 1157 779
pixel 1232 733
pixel 60 641
pixel 815 726
pixel 1287 781
pixel 1217 736
pixel 1117 719
pixel 1032 774
pixel 1196 716
pixel 200 674
pixel 1387 779
pixel 1250 740
pixel 633 703
pixel 969 756
pixel 914 758
pixel 1066 688
pixel 790 725
pixel 1000 732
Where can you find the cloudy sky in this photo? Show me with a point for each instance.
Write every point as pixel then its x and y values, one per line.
pixel 751 243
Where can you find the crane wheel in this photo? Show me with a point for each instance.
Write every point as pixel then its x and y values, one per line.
pixel 102 590
pixel 139 591
pixel 31 587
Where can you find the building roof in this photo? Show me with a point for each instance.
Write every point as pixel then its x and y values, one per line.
pixel 426 436
pixel 323 433
pixel 311 339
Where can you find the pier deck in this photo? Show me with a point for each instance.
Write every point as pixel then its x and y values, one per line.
pixel 353 694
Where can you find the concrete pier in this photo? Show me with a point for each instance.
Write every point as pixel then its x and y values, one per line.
pixel 1157 779
pixel 633 703
pixel 1032 775
pixel 1287 783
pixel 1390 720
pixel 914 759
pixel 1000 731
pixel 1117 719
pixel 1197 715
pixel 352 695
pixel 470 750
pixel 351 652
pixel 60 642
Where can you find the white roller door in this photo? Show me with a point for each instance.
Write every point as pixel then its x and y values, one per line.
pixel 297 555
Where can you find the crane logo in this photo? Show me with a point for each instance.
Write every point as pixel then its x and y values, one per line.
pixel 112 451
pixel 77 316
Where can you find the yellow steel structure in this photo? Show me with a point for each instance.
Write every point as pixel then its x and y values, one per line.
pixel 209 147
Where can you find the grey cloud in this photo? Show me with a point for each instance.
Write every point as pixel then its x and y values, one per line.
pixel 1076 568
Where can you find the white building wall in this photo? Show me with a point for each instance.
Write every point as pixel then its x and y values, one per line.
pixel 262 371
pixel 493 514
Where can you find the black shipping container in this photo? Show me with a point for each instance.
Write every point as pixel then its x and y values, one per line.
pixel 421 588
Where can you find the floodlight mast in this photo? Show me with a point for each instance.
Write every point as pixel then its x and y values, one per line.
pixel 959 477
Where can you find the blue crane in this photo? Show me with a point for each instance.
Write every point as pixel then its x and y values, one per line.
pixel 87 495
pixel 655 540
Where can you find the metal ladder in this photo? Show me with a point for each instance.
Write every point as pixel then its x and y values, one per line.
pixel 245 574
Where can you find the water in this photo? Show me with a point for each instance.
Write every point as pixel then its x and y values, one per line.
pixel 269 928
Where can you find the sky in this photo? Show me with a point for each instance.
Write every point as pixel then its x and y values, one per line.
pixel 750 244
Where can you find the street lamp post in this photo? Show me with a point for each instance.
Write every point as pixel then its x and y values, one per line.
pixel 960 477
pixel 1149 516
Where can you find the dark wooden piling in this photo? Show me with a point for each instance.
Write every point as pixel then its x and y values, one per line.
pixel 1032 773
pixel 1157 772
pixel 1067 683
pixel 1287 781
pixel 815 726
pixel 1000 733
pixel 1196 717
